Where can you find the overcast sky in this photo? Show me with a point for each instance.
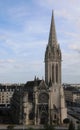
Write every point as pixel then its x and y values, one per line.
pixel 24 32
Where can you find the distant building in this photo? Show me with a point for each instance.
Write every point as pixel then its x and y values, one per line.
pixel 6 92
pixel 42 101
pixel 72 95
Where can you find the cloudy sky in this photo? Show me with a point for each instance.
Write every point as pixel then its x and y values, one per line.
pixel 24 31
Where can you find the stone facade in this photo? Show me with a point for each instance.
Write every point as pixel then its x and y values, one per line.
pixel 53 60
pixel 42 101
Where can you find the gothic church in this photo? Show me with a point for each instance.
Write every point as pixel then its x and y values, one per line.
pixel 40 101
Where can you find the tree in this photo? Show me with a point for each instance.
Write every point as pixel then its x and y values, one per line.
pixel 30 128
pixel 10 127
pixel 78 128
pixel 78 122
pixel 49 127
pixel 71 126
pixel 66 121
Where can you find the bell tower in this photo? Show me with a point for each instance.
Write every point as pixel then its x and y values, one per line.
pixel 53 57
pixel 53 60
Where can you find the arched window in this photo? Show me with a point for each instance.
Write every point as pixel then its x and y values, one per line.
pixel 53 73
pixel 56 73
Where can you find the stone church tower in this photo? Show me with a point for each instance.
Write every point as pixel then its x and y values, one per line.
pixel 53 60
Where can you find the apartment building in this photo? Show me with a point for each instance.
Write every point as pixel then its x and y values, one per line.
pixel 6 92
pixel 72 95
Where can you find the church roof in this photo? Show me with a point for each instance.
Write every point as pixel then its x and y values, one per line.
pixel 40 84
pixel 32 83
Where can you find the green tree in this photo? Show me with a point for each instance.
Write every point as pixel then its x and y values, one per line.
pixel 30 128
pixel 49 127
pixel 78 128
pixel 10 127
pixel 66 121
pixel 71 126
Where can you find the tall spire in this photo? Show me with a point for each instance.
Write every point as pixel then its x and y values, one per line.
pixel 52 34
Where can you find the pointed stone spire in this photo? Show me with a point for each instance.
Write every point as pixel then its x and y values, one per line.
pixel 52 34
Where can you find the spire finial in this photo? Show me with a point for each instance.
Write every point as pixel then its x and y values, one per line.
pixel 52 34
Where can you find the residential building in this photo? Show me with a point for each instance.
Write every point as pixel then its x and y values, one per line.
pixel 6 92
pixel 72 95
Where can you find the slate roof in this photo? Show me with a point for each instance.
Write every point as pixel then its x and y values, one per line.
pixel 31 84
